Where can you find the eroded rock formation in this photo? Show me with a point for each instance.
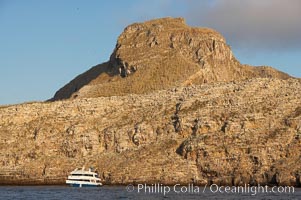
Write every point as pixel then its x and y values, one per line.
pixel 248 132
pixel 160 54
pixel 172 105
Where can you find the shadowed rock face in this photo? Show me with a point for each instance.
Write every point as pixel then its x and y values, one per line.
pixel 160 54
pixel 187 112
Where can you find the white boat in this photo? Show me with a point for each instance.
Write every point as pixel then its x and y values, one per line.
pixel 83 178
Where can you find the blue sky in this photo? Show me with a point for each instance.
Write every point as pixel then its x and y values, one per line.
pixel 45 44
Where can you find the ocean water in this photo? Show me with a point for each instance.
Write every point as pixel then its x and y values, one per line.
pixel 121 192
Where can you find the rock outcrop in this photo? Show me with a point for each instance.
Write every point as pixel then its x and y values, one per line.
pixel 160 54
pixel 172 105
pixel 224 133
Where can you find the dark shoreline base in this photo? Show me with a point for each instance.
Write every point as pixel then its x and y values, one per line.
pixel 61 182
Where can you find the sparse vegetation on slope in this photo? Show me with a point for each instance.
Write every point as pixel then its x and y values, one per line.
pixel 161 54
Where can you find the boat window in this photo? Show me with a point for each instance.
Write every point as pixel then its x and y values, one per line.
pixel 91 175
pixel 84 180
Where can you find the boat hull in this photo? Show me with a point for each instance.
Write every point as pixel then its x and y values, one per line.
pixel 82 183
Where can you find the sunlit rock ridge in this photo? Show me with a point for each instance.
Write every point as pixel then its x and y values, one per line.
pixel 160 54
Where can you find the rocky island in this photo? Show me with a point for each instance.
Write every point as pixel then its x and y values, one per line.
pixel 171 105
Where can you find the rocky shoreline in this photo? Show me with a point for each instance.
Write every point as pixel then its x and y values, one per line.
pixel 222 133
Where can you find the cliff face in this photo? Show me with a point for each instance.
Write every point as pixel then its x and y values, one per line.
pixel 160 54
pixel 224 133
pixel 173 106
